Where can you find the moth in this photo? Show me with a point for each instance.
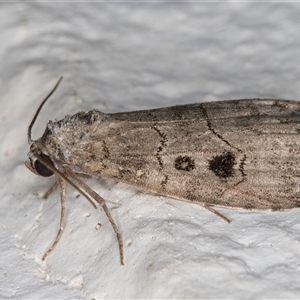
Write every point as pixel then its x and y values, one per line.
pixel 237 153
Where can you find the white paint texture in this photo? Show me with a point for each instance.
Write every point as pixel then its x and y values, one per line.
pixel 125 56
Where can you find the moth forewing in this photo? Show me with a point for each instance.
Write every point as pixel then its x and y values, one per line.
pixel 237 153
pixel 242 153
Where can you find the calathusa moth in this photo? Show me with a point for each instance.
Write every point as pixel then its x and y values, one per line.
pixel 237 153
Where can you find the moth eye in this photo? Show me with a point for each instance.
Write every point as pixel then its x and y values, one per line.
pixel 41 169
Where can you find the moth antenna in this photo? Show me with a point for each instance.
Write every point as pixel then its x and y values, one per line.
pixel 39 109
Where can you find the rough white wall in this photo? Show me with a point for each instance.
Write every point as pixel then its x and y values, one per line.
pixel 125 56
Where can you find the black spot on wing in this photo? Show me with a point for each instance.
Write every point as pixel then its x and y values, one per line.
pixel 184 163
pixel 222 165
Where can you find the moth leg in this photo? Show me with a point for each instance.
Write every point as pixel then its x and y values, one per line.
pixel 113 202
pixel 62 217
pixel 101 201
pixel 82 175
pixel 217 213
pixel 116 230
pixel 51 190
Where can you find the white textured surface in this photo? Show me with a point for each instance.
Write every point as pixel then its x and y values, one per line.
pixel 125 56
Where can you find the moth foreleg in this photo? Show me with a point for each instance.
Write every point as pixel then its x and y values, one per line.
pixel 62 216
pixel 51 190
pixel 102 202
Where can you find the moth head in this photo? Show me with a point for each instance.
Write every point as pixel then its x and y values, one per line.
pixel 39 162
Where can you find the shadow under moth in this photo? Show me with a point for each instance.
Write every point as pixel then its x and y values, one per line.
pixel 237 153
